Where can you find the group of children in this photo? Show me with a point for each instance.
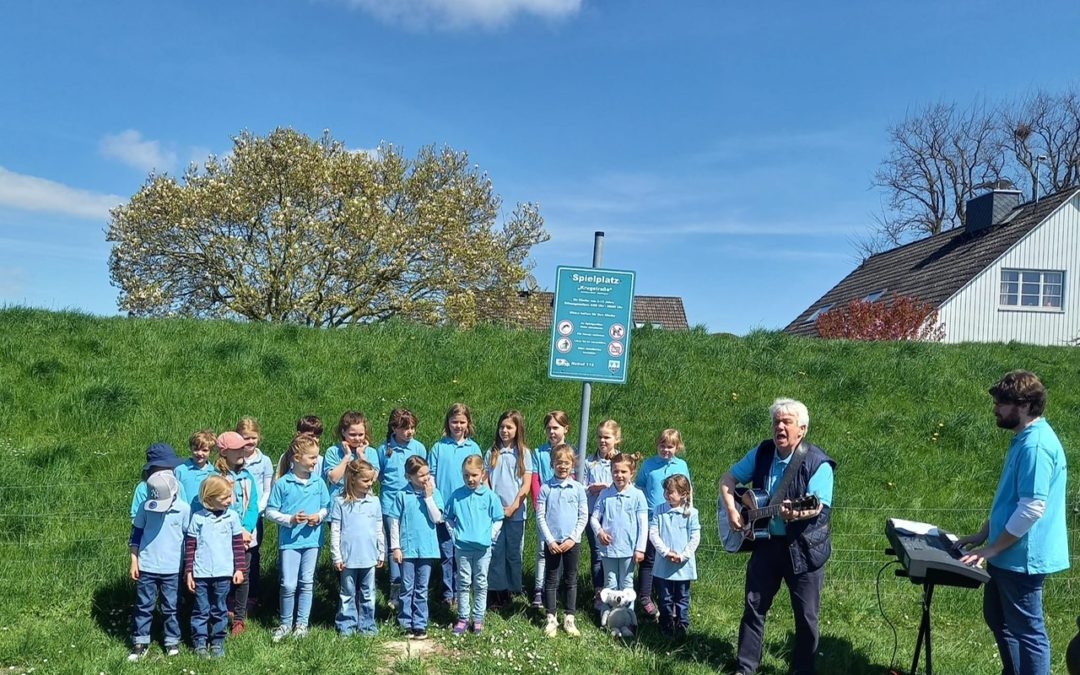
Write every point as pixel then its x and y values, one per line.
pixel 453 505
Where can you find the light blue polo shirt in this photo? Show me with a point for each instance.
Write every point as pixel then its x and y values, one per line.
pixel 392 469
pixel 596 471
pixel 1035 468
pixel 191 478
pixel 416 531
pixel 675 529
pixel 361 527
pixel 562 504
pixel 651 475
pixel 472 514
pixel 445 459
pixel 821 483
pixel 618 513
pixel 333 457
pixel 504 479
pixel 161 548
pixel 291 494
pixel 142 492
pixel 213 535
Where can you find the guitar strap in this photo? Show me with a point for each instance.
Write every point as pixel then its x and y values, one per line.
pixel 789 473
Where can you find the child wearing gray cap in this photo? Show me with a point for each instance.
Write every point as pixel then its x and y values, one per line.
pixel 157 545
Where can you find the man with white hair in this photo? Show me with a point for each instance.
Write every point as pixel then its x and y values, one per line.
pixel 800 540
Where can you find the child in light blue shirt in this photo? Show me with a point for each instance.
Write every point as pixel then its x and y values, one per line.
pixel 561 514
pixel 413 514
pixel 675 532
pixel 620 522
pixel 509 468
pixel 598 477
pixel 475 517
pixel 261 469
pixel 556 426
pixel 195 470
pixel 399 446
pixel 157 548
pixel 299 503
pixel 650 479
pixel 357 546
pixel 214 560
pixel 446 457
pixel 354 438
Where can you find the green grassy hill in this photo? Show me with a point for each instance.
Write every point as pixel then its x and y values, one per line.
pixel 909 424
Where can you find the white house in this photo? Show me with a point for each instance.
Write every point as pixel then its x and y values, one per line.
pixel 1011 273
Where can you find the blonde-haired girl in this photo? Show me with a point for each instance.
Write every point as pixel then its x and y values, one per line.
pixel 358 546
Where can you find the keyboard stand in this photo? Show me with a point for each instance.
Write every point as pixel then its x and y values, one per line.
pixel 924 631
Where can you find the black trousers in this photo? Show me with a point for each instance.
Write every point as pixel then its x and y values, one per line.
pixel 561 565
pixel 770 564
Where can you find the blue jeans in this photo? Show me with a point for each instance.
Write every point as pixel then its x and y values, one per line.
pixel 541 565
pixel 674 604
pixel 472 575
pixel 618 573
pixel 395 568
pixel 1012 607
pixel 210 610
pixel 449 564
pixel 596 567
pixel 356 607
pixel 505 571
pixel 297 578
pixel 415 575
pixel 148 588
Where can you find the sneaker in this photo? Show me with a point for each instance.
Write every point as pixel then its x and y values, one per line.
pixel 649 608
pixel 201 652
pixel 300 632
pixel 570 626
pixel 459 626
pixel 280 633
pixel 419 634
pixel 478 627
pixel 494 600
pixel 552 626
pixel 217 651
pixel 139 651
pixel 172 650
pixel 538 598
pixel 237 627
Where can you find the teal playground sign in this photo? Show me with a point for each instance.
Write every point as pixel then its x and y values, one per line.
pixel 591 322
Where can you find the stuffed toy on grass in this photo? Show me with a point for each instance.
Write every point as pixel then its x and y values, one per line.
pixel 617 612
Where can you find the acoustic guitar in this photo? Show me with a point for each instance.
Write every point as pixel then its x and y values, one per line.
pixel 755 512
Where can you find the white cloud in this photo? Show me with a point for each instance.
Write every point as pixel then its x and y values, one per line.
pixel 41 194
pixel 132 149
pixel 453 14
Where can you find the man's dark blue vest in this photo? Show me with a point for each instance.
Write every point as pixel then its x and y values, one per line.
pixel 809 541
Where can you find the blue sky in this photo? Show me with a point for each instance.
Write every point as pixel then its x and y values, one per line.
pixel 726 148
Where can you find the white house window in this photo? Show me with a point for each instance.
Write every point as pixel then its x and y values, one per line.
pixel 874 295
pixel 1032 289
pixel 818 312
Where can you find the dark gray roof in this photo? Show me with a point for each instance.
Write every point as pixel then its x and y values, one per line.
pixel 662 311
pixel 934 268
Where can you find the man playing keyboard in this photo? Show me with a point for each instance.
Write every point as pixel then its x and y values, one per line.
pixel 1026 527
